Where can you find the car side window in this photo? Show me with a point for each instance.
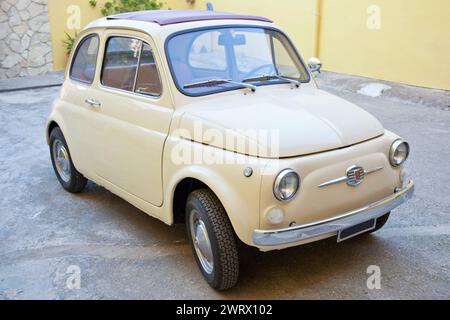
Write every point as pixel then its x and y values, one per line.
pixel 85 60
pixel 129 65
pixel 120 63
pixel 148 81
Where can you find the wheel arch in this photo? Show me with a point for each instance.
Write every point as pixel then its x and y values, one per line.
pixel 52 124
pixel 240 211
pixel 181 194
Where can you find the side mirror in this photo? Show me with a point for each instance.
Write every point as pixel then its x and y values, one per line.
pixel 315 65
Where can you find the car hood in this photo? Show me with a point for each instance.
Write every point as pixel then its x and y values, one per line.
pixel 280 121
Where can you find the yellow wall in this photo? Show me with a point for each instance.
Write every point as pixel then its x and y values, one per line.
pixel 412 45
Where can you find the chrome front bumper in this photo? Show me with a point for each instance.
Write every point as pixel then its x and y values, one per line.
pixel 308 232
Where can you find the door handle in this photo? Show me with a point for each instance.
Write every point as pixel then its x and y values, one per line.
pixel 93 103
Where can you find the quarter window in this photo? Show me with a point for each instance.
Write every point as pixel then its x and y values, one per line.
pixel 85 60
pixel 129 65
pixel 148 81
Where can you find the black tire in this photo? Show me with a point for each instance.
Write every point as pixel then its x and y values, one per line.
pixel 381 221
pixel 225 272
pixel 75 181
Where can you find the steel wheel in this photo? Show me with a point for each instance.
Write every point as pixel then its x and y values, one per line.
pixel 212 238
pixel 61 160
pixel 201 241
pixel 68 176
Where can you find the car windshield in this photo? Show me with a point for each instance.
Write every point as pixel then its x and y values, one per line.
pixel 213 60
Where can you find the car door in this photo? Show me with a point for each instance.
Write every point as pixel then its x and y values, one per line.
pixel 133 117
pixel 78 116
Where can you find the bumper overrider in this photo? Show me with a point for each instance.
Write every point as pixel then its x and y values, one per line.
pixel 317 230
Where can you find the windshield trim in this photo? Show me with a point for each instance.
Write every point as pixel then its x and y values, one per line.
pixel 237 87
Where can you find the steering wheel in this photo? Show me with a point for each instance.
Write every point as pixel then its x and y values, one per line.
pixel 259 70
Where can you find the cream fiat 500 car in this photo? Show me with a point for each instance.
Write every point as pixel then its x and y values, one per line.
pixel 213 119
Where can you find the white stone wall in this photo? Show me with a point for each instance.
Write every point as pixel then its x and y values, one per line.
pixel 25 43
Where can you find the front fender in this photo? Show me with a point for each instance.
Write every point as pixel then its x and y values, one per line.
pixel 239 195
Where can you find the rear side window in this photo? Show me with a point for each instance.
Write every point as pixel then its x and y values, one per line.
pixel 85 60
pixel 129 65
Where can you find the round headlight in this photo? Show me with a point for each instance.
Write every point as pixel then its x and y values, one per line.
pixel 399 153
pixel 286 185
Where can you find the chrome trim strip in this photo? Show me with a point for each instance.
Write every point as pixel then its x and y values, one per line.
pixel 331 182
pixel 374 170
pixel 344 178
pixel 141 48
pixel 310 232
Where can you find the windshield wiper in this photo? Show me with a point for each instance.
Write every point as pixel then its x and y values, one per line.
pixel 216 82
pixel 268 77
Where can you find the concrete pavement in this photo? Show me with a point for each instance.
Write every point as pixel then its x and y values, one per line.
pixel 47 235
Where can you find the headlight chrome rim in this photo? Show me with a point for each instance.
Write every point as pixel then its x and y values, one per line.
pixel 395 145
pixel 276 186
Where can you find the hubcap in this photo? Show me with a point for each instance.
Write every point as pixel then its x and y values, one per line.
pixel 62 160
pixel 202 243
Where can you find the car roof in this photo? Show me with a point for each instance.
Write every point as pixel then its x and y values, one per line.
pixel 169 17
